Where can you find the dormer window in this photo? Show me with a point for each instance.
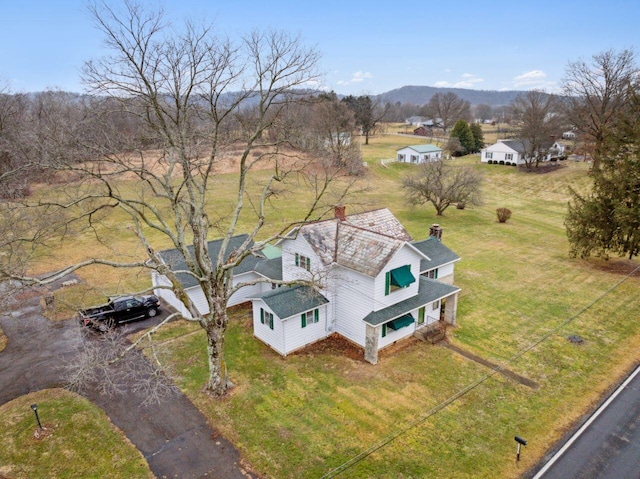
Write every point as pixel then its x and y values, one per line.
pixel 398 278
pixel 303 262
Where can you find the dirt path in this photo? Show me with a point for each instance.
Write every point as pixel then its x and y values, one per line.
pixel 505 372
pixel 173 436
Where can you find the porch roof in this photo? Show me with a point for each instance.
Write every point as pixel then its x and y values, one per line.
pixel 429 291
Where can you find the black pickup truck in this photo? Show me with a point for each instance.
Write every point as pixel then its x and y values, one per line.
pixel 119 310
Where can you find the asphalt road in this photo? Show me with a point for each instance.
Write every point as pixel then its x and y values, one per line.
pixel 607 446
pixel 173 435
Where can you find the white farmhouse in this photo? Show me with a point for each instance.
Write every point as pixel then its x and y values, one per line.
pixel 512 152
pixel 419 154
pixel 375 285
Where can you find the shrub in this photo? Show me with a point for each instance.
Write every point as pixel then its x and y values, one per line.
pixel 503 214
pixel 490 161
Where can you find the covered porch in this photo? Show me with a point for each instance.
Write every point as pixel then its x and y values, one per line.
pixel 435 302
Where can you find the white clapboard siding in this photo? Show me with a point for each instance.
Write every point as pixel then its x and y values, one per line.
pixel 296 337
pixel 272 337
pixel 404 256
pixel 353 293
pixel 291 272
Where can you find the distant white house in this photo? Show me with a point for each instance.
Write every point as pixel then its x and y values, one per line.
pixel 419 154
pixel 512 152
pixel 569 135
pixel 376 285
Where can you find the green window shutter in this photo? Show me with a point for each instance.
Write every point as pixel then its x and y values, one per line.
pixel 387 282
pixel 304 320
pixel 436 275
pixel 262 315
pixel 297 259
pixel 316 315
pixel 308 265
pixel 271 321
pixel 384 330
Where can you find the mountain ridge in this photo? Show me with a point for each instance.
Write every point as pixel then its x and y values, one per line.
pixel 420 95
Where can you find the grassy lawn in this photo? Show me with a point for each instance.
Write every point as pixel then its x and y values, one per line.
pixel 78 441
pixel 518 285
pixel 307 414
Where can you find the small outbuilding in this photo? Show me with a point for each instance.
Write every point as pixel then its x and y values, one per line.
pixel 419 154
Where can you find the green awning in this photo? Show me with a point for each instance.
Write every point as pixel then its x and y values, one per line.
pixel 402 276
pixel 401 322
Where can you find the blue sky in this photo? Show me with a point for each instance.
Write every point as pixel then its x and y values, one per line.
pixel 366 46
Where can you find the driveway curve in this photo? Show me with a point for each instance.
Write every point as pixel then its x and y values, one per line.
pixel 173 436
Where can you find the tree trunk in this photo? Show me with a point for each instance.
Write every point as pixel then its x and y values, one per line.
pixel 218 382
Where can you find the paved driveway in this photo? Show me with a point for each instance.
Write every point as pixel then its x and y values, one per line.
pixel 173 436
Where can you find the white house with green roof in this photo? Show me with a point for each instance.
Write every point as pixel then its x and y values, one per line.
pixel 361 276
pixel 419 154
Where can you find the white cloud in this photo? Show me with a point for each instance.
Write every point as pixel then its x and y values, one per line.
pixel 533 76
pixel 442 84
pixel 534 79
pixel 357 77
pixel 469 81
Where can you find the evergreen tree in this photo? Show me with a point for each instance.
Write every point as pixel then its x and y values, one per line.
pixel 462 131
pixel 607 220
pixel 478 137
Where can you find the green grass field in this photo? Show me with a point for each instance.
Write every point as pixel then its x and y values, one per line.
pixel 308 414
pixel 78 440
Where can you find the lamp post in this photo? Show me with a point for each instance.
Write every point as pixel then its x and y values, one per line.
pixel 35 411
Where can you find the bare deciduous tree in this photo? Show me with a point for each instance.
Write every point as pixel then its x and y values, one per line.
pixel 200 100
pixel 447 108
pixel 538 122
pixel 442 185
pixel 596 92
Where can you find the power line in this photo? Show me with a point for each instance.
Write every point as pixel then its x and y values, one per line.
pixel 431 412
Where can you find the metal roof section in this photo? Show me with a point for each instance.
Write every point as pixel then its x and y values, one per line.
pixel 290 300
pixel 428 292
pixel 428 148
pixel 436 251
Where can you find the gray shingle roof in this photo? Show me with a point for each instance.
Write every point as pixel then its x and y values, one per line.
pixel 363 242
pixel 174 259
pixel 270 268
pixel 523 146
pixel 436 251
pixel 290 300
pixel 428 292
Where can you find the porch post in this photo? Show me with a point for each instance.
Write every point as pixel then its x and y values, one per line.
pixel 451 309
pixel 371 344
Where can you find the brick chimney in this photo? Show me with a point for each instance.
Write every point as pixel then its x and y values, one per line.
pixel 436 231
pixel 339 212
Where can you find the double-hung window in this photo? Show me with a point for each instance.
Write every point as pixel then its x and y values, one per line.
pixel 266 318
pixel 488 155
pixel 433 274
pixel 508 156
pixel 310 317
pixel 303 262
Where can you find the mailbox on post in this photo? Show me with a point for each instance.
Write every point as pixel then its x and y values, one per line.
pixel 521 442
